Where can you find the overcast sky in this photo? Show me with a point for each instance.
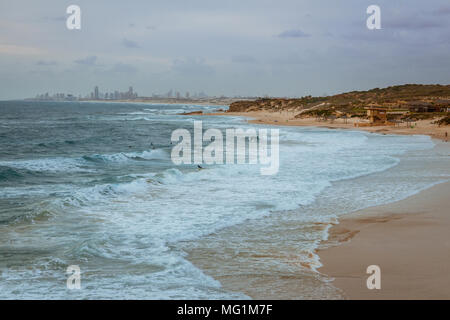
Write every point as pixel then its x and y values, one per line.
pixel 229 47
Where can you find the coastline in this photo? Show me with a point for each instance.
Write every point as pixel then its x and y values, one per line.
pixel 286 118
pixel 407 239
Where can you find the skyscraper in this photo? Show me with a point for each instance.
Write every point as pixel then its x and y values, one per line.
pixel 96 95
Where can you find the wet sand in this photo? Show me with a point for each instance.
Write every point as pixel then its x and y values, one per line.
pixel 409 240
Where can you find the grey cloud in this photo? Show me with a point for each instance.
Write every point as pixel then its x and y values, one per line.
pixel 411 23
pixel 130 43
pixel 243 59
pixel 46 63
pixel 295 33
pixel 123 68
pixel 275 33
pixel 290 59
pixel 55 18
pixel 442 11
pixel 88 61
pixel 192 66
pixel 370 36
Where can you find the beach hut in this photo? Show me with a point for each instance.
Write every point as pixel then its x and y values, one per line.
pixel 377 115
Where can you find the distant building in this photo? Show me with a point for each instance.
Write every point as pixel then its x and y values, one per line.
pixel 377 115
pixel 130 93
pixel 442 104
pixel 94 95
pixel 418 106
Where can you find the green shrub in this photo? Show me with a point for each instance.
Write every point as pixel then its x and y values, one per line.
pixel 444 121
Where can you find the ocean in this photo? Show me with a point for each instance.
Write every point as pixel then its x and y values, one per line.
pixel 93 185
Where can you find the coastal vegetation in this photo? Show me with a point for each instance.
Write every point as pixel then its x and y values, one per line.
pixel 444 121
pixel 409 101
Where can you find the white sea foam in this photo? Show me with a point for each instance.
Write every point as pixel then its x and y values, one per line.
pixel 138 223
pixel 80 164
pixel 46 164
pixel 175 205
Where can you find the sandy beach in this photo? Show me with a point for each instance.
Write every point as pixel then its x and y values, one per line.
pixel 287 118
pixel 407 239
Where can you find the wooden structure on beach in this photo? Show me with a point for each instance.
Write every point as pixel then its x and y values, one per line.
pixel 377 117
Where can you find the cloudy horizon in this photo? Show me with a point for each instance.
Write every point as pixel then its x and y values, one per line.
pixel 256 48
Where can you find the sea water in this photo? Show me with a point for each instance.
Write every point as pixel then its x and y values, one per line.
pixel 93 185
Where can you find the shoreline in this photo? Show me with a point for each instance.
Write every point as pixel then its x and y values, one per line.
pixel 407 239
pixel 286 118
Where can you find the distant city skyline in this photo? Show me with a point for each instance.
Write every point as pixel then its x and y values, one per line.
pixel 234 48
pixel 97 94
